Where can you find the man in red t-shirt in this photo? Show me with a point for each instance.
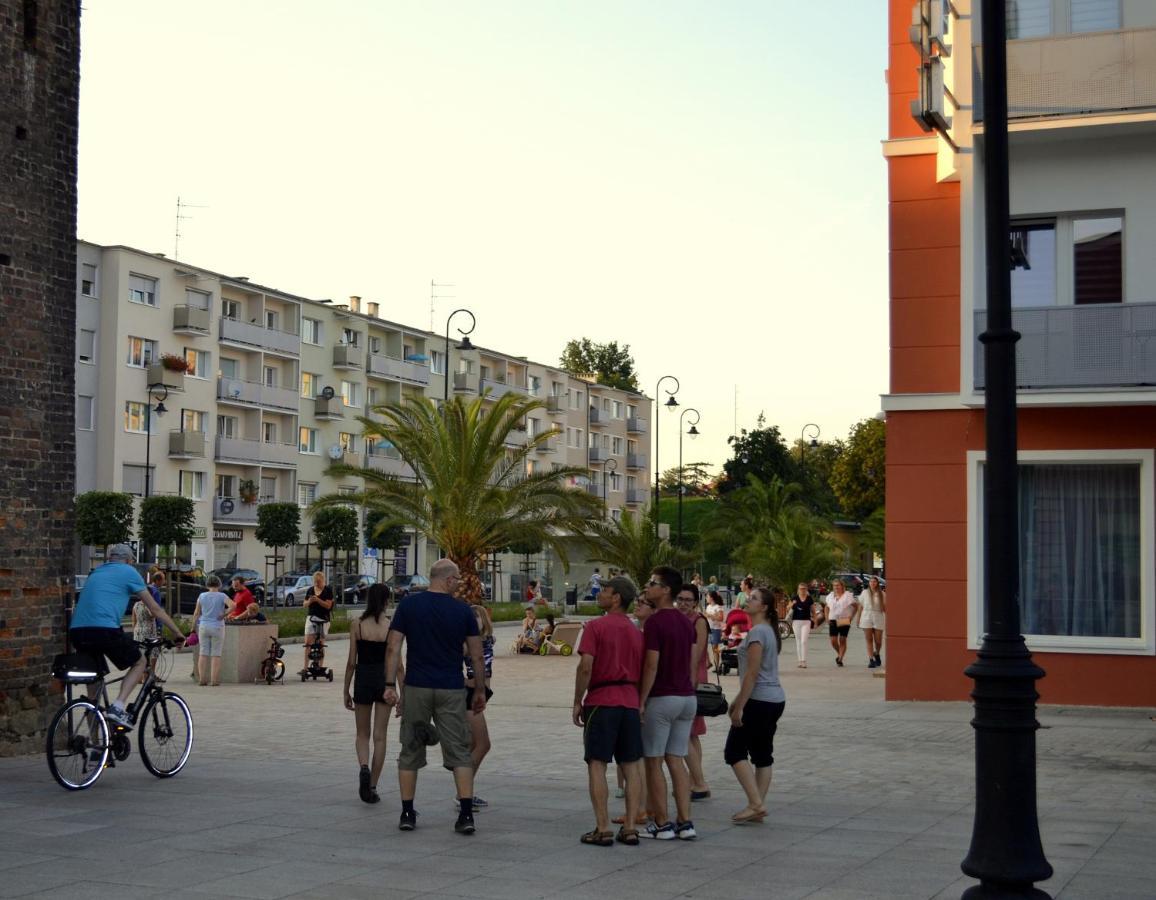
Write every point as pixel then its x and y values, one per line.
pixel 608 675
pixel 244 603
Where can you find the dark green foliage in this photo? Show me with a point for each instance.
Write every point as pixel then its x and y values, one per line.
pixel 278 524
pixel 609 364
pixel 167 520
pixel 379 534
pixel 761 452
pixel 103 518
pixel 335 528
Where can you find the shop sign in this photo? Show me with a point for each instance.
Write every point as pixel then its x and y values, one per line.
pixel 227 534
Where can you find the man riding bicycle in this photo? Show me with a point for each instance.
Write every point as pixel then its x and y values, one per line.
pixel 96 630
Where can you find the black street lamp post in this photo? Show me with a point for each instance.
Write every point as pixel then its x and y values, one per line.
pixel 611 465
pixel 1006 853
pixel 803 447
pixel 671 403
pixel 464 345
pixel 693 432
pixel 159 410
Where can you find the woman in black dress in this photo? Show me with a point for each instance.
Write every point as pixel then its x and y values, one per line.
pixel 366 670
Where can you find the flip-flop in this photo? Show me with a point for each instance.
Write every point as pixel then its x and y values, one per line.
pixel 599 838
pixel 749 816
pixel 628 836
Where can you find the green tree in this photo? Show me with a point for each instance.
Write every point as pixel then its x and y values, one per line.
pixel 761 452
pixel 335 528
pixel 631 546
pixel 859 475
pixel 610 364
pixel 103 518
pixel 796 547
pixel 380 534
pixel 470 494
pixel 814 467
pixel 165 521
pixel 743 514
pixel 278 525
pixel 696 480
pixel 872 534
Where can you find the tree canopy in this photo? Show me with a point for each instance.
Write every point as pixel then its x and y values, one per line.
pixel 858 477
pixel 335 528
pixel 278 524
pixel 610 364
pixel 761 452
pixel 103 518
pixel 631 545
pixel 696 480
pixel 167 520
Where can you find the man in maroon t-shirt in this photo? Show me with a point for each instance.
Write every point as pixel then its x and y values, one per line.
pixel 669 706
pixel 608 675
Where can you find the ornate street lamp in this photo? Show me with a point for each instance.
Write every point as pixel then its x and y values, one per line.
pixel 159 410
pixel 1006 854
pixel 693 432
pixel 611 465
pixel 671 403
pixel 464 345
pixel 803 447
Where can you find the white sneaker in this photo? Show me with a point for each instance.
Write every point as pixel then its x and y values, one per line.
pixel 658 832
pixel 118 717
pixel 684 831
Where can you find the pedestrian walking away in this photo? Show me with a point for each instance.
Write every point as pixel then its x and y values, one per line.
pixel 872 617
pixel 479 731
pixel 433 625
pixel 802 618
pixel 365 669
pixel 756 710
pixel 669 706
pixel 688 604
pixel 606 707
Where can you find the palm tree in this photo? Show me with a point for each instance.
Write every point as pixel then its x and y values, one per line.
pixel 471 495
pixel 750 510
pixel 795 547
pixel 631 546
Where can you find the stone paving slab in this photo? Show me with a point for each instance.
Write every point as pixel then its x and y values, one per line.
pixel 870 800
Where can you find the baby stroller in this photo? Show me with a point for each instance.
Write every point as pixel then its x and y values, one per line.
pixel 728 659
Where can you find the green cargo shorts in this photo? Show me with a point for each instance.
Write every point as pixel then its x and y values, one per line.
pixel 447 710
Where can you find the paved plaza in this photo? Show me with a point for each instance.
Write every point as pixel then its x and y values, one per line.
pixel 870 800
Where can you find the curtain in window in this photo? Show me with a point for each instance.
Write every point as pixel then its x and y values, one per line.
pixel 1080 550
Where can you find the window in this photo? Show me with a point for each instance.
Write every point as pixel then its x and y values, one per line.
pixel 532 467
pixel 198 299
pixel 575 399
pixel 198 361
pixel 1085 549
pixel 141 351
pixel 347 441
pixel 307 441
pixel 84 405
pixel 465 366
pixel 229 368
pixel 231 309
pixel 309 383
pixel 272 319
pixel 351 393
pixel 192 485
pixel 227 427
pixel 615 481
pixel 616 409
pixel 142 290
pixel 351 337
pixel 133 478
pixel 268 488
pixel 1067 260
pixel 616 446
pixel 606 405
pixel 311 331
pixel 136 417
pixel 270 373
pixel 616 514
pixel 86 345
pixel 1040 18
pixel 631 483
pixel 375 345
pixel 88 279
pixel 535 385
pixel 226 486
pixel 631 411
pixel 437 362
pixel 575 437
pixel 192 420
pixel 306 493
pixel 371 396
pixel 269 432
pixel 1094 15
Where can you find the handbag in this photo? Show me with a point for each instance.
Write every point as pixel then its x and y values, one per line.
pixel 711 700
pixel 842 622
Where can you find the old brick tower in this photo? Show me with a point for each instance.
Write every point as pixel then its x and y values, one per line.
pixel 39 84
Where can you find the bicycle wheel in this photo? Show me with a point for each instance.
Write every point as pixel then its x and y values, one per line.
pixel 77 745
pixel 278 670
pixel 165 734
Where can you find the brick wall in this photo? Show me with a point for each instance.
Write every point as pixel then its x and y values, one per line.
pixel 39 80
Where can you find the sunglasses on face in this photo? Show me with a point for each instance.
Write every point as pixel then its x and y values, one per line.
pixel 654 583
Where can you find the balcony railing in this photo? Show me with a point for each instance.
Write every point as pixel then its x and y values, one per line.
pixel 597 455
pixel 233 510
pixel 635 425
pixel 388 367
pixel 1104 345
pixel 234 390
pixel 346 356
pixel 548 446
pixel 499 388
pixel 329 407
pixel 635 496
pixel 595 488
pixel 156 373
pixel 190 319
pixel 388 461
pixel 636 460
pixel 461 381
pixel 187 444
pixel 249 452
pixel 597 417
pixel 553 404
pixel 1076 74
pixel 253 335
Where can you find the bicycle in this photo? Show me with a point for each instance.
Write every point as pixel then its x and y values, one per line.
pixel 273 666
pixel 81 738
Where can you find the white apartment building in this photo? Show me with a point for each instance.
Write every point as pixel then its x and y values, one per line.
pixel 275 384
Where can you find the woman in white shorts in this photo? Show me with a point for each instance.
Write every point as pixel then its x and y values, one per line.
pixel 209 620
pixel 873 601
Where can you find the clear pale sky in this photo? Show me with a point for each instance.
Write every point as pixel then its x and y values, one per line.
pixel 700 180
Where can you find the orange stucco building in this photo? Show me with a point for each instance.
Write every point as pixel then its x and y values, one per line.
pixel 1084 299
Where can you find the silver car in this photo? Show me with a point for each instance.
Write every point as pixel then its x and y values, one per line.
pixel 289 590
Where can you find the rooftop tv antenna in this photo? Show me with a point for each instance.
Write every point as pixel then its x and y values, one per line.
pixel 434 296
pixel 181 205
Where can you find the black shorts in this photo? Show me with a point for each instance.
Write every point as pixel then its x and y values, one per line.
pixel 113 643
pixel 470 697
pixel 756 739
pixel 368 684
pixel 835 629
pixel 612 732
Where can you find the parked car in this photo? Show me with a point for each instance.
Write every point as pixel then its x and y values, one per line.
pixel 352 589
pixel 290 590
pixel 400 585
pixel 253 581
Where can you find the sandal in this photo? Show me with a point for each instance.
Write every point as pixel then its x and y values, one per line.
pixel 628 836
pixel 621 820
pixel 749 816
pixel 599 838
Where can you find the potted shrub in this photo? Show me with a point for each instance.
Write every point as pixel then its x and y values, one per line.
pixel 248 490
pixel 173 362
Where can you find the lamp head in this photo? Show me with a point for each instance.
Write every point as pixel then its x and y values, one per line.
pixel 814 442
pixel 465 344
pixel 160 409
pixel 692 432
pixel 671 403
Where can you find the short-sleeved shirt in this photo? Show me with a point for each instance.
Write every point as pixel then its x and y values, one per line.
pixel 213 606
pixel 242 600
pixel 435 626
pixel 714 616
pixel 617 649
pixel 767 687
pixel 801 610
pixel 316 610
pixel 672 634
pixel 105 596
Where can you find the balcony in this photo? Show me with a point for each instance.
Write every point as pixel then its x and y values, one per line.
pixel 597 417
pixel 517 438
pixel 548 446
pixel 190 320
pixel 597 455
pixel 254 336
pixel 186 445
pixel 1107 345
pixel 1076 74
pixel 500 388
pixel 595 488
pixel 249 453
pixel 350 458
pixel 388 461
pixel 635 425
pixel 636 460
pixel 329 408
pixel 553 404
pixel 462 381
pixel 346 356
pixel 387 367
pixel 156 373
pixel 635 496
pixel 233 511
pixel 233 390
